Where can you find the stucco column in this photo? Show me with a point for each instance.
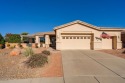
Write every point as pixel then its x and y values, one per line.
pixel 47 41
pixel 38 40
pixel 21 38
pixel 58 41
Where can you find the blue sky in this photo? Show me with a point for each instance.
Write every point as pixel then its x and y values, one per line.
pixel 17 16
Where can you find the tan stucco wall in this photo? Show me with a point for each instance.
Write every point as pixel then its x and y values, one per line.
pixel 78 28
pixel 106 44
pixel 118 34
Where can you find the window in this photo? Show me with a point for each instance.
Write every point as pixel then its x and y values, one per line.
pixel 70 37
pixel 77 37
pixel 63 37
pixel 81 37
pixel 74 37
pixel 88 37
pixel 67 37
pixel 84 37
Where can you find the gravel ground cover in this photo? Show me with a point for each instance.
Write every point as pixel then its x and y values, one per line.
pixel 13 67
pixel 118 53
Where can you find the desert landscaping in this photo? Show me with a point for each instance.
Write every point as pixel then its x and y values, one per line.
pixel 14 66
pixel 118 52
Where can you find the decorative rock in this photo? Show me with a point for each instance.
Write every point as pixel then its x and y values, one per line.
pixel 15 52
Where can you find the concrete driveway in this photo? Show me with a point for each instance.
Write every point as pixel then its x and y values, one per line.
pixel 92 67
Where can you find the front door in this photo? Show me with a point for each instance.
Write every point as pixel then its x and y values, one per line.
pixel 114 42
pixel 53 41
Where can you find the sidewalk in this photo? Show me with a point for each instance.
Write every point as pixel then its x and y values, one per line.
pixel 36 80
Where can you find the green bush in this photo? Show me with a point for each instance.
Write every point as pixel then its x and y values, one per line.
pixel 2 42
pixel 13 38
pixel 37 60
pixel 8 45
pixel 19 45
pixel 28 52
pixel 46 52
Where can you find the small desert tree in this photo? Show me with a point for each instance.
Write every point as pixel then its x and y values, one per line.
pixel 13 38
pixel 24 33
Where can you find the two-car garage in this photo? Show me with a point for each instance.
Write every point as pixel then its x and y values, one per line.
pixel 76 41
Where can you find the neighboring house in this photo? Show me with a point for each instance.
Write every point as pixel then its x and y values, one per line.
pixel 81 35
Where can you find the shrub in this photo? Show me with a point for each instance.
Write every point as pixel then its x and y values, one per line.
pixel 19 45
pixel 28 51
pixel 8 45
pixel 46 52
pixel 13 38
pixel 2 41
pixel 37 60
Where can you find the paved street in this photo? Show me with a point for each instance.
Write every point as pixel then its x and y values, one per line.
pixel 92 67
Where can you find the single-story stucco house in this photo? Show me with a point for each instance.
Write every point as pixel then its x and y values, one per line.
pixel 81 35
